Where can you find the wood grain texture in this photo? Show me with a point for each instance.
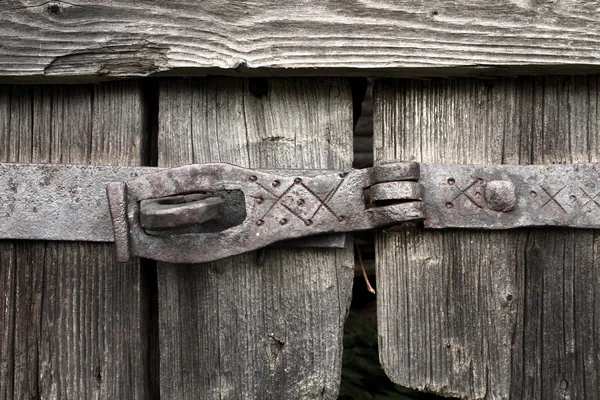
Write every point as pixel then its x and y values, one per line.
pixel 267 324
pixel 72 320
pixel 88 39
pixel 493 315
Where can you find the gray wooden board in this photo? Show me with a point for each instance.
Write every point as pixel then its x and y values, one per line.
pixel 268 324
pixel 492 315
pixel 72 321
pixel 124 38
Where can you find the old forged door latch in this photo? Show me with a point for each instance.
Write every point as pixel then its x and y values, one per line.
pixel 200 213
pixel 247 209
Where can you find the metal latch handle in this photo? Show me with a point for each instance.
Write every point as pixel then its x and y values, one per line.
pixel 179 211
pixel 277 205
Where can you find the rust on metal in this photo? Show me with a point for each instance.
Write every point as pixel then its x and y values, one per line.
pixel 511 196
pixel 206 212
pixel 271 206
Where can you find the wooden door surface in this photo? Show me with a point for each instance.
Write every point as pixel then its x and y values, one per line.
pixel 72 320
pixel 266 324
pixel 502 314
pixel 269 324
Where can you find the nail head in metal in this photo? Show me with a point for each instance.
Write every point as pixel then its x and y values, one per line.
pixel 500 196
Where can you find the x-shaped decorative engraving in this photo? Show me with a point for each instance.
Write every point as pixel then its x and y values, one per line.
pixel 553 198
pixel 591 198
pixel 295 206
pixel 463 192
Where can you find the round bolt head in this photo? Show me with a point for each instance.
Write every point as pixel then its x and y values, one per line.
pixel 500 195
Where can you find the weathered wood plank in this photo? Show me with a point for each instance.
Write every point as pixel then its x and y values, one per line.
pixel 73 321
pixel 490 314
pixel 125 38
pixel 268 324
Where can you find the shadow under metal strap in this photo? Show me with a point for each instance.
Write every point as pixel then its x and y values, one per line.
pixel 206 212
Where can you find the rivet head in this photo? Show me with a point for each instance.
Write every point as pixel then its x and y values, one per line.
pixel 260 222
pixel 283 221
pixel 275 183
pixel 298 180
pixel 253 178
pixel 500 196
pixel 308 222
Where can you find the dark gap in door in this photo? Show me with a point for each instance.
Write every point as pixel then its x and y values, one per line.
pixel 362 374
pixel 148 267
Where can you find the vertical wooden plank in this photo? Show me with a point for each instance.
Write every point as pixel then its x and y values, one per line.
pixel 7 319
pixel 490 314
pixel 73 320
pixel 268 324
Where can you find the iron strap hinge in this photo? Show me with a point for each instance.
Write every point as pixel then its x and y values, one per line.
pixel 206 212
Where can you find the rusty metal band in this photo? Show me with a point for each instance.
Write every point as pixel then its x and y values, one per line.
pixel 70 202
pixel 511 196
pixel 59 202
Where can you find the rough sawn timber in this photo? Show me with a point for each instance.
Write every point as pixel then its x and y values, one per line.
pixel 72 320
pixel 492 315
pixel 88 39
pixel 266 324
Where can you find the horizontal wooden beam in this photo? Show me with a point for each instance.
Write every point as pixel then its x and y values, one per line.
pixel 85 40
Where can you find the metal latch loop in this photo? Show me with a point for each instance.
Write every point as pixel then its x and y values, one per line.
pixel 395 192
pixel 179 211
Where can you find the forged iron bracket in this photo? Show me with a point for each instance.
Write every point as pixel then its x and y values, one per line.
pixel 259 208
